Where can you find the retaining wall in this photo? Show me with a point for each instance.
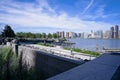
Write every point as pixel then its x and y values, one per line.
pixel 46 65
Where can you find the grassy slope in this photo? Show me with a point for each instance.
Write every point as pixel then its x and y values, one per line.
pixel 49 45
pixel 84 51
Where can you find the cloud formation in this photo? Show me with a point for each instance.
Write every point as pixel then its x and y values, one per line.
pixel 88 6
pixel 42 15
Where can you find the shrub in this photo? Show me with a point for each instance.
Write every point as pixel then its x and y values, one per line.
pixel 12 68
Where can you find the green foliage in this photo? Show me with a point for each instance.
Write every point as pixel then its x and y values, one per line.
pixel 8 32
pixel 55 35
pixel 50 35
pixel 28 35
pixel 44 35
pixel 0 35
pixel 20 34
pixel 47 44
pixel 36 35
pixel 67 48
pixel 85 51
pixel 12 67
pixel 25 35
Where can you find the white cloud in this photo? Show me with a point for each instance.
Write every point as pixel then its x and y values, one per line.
pixel 99 14
pixel 42 15
pixel 88 6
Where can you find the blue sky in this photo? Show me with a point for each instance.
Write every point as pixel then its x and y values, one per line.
pixel 58 15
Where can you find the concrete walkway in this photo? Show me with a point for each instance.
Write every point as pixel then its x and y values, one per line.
pixel 62 52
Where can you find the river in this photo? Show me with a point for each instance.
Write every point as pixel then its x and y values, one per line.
pixel 90 44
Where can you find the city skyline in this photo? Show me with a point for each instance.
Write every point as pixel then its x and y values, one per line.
pixel 51 16
pixel 112 33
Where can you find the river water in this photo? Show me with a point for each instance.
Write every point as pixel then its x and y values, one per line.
pixel 91 44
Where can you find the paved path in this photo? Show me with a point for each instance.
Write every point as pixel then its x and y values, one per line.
pixel 61 52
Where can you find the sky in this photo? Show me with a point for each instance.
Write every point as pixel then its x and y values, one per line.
pixel 59 15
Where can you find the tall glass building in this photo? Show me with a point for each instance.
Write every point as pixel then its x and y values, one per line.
pixel 112 32
pixel 116 32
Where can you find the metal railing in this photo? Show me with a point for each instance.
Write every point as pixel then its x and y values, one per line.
pixel 63 53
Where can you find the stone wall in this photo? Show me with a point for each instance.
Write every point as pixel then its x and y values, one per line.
pixel 45 64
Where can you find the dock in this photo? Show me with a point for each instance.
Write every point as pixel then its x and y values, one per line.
pixel 111 49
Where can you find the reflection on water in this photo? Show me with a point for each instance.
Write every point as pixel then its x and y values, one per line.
pixel 92 43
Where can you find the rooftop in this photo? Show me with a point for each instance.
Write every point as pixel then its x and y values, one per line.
pixel 102 68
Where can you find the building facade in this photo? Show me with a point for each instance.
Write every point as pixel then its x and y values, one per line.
pixel 116 32
pixel 112 33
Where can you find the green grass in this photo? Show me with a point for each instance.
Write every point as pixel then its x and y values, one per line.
pixel 84 51
pixel 46 44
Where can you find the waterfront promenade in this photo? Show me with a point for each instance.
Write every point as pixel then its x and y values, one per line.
pixel 61 52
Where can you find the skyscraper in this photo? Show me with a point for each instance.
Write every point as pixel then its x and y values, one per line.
pixel 67 34
pixel 99 34
pixel 58 34
pixel 107 34
pixel 112 32
pixel 62 34
pixel 71 34
pixel 116 32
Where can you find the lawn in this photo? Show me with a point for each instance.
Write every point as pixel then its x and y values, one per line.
pixel 84 51
pixel 45 44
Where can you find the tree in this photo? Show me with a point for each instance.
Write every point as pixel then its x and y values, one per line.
pixel 38 35
pixel 20 34
pixel 8 32
pixel 50 35
pixel 44 35
pixel 0 35
pixel 55 35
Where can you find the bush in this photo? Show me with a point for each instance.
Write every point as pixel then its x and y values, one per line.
pixel 12 68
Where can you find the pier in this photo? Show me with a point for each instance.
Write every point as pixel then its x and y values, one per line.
pixel 111 49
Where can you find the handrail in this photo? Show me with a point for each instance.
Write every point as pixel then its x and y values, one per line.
pixel 61 53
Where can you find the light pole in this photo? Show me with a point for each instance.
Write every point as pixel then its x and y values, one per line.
pixel 71 50
pixel 96 47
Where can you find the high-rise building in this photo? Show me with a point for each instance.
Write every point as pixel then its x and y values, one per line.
pixel 67 34
pixel 99 34
pixel 71 34
pixel 58 34
pixel 75 35
pixel 116 32
pixel 79 35
pixel 61 34
pixel 92 34
pixel 112 32
pixel 84 35
pixel 119 34
pixel 107 34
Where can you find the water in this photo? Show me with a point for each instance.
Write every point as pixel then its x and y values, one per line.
pixel 91 44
